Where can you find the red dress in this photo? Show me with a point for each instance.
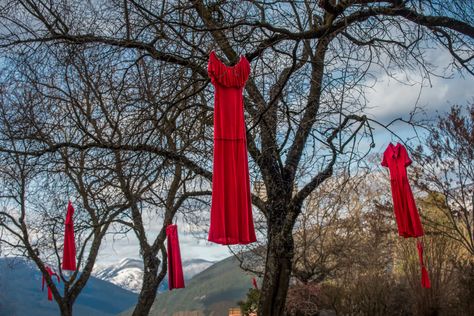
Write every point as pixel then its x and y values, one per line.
pixel 69 250
pixel 175 267
pixel 406 214
pixel 231 207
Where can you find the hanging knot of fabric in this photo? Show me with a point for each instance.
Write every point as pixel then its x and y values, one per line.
pixel 254 282
pixel 425 279
pixel 175 267
pixel 43 281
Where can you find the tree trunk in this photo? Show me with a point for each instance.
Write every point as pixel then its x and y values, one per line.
pixel 151 281
pixel 66 308
pixel 277 271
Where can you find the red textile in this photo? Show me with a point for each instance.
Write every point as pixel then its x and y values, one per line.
pixel 43 281
pixel 425 279
pixel 406 214
pixel 254 282
pixel 231 208
pixel 175 268
pixel 69 250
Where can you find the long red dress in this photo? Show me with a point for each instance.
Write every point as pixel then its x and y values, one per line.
pixel 231 207
pixel 175 267
pixel 69 250
pixel 406 214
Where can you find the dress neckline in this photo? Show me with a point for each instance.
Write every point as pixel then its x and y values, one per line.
pixel 394 146
pixel 213 53
pixel 395 149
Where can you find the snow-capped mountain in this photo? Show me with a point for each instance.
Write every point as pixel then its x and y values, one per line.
pixel 128 273
pixel 195 266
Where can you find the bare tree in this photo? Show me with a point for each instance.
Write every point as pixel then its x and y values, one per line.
pixel 304 102
pixel 90 100
pixel 34 198
pixel 446 174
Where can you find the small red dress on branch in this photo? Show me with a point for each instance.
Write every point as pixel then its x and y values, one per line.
pixel 69 250
pixel 231 207
pixel 43 281
pixel 406 214
pixel 175 268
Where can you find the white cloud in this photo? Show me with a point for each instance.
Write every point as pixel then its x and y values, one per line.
pixel 113 250
pixel 391 98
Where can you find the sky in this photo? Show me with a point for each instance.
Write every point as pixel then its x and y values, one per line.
pixel 388 99
pixel 191 246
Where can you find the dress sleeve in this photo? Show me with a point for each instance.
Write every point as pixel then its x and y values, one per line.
pixel 406 158
pixel 384 161
pixel 211 68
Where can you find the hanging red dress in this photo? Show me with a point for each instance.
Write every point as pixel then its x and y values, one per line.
pixel 406 214
pixel 231 207
pixel 43 281
pixel 175 267
pixel 69 250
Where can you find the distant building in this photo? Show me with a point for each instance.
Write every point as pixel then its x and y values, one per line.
pixel 260 190
pixel 235 311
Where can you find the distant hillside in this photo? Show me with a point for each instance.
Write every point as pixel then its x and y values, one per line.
pixel 21 295
pixel 212 291
pixel 128 273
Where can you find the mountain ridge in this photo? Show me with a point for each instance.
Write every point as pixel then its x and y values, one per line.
pixel 211 292
pixel 128 273
pixel 20 293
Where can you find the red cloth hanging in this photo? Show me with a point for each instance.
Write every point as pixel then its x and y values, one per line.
pixel 175 268
pixel 425 279
pixel 231 207
pixel 408 220
pixel 69 249
pixel 406 214
pixel 254 282
pixel 43 281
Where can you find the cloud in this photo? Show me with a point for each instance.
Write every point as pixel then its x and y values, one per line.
pixel 391 98
pixel 115 249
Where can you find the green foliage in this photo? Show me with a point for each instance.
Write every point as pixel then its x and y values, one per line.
pixel 251 303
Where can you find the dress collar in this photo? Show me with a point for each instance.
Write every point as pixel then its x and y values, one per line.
pixel 395 149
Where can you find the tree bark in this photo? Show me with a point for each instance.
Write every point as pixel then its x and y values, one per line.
pixel 277 272
pixel 151 281
pixel 66 308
